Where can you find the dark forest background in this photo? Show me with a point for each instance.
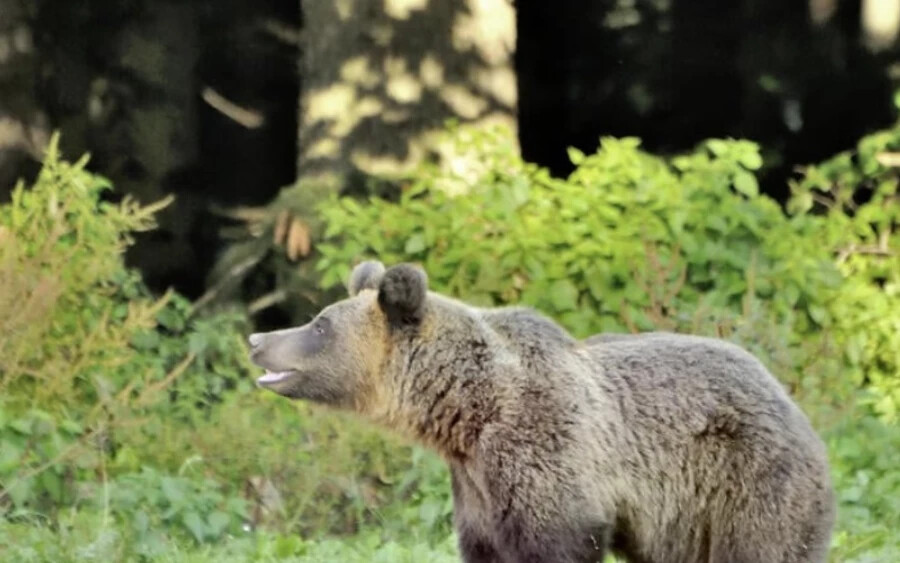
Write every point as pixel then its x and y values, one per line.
pixel 131 83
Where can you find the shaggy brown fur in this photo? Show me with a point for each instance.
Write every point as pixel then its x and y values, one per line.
pixel 661 448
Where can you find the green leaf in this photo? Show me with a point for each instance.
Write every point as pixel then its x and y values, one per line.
pixel 791 294
pixel 818 314
pixel 415 244
pixel 800 203
pixel 20 491
pixel 170 319
pixel 21 425
pixel 172 491
pixel 575 155
pixel 197 343
pixel 145 340
pixel 10 456
pixel 745 183
pixel 751 159
pixel 237 506
pixel 218 523
pixel 71 427
pixel 141 522
pixel 717 146
pixel 288 546
pixel 52 484
pixel 563 295
pixel 430 511
pixel 194 523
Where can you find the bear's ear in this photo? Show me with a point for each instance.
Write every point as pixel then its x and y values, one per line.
pixel 366 275
pixel 402 293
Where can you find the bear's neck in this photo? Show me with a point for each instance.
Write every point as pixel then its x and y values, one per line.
pixel 448 394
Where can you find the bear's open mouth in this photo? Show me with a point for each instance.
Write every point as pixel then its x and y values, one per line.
pixel 271 377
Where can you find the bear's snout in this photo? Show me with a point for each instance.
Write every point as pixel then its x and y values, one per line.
pixel 268 351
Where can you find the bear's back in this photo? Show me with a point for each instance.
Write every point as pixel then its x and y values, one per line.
pixel 709 417
pixel 690 384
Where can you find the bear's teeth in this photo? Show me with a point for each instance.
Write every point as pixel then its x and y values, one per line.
pixel 273 376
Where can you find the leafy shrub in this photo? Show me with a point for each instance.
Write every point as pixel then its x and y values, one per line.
pixel 135 408
pixel 136 415
pixel 865 455
pixel 151 501
pixel 86 535
pixel 86 354
pixel 333 474
pixel 634 242
pixel 850 205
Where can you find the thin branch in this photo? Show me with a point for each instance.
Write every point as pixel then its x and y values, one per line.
pixel 266 301
pixel 251 119
pixel 871 250
pixel 888 159
pixel 285 33
pixel 148 393
pixel 236 271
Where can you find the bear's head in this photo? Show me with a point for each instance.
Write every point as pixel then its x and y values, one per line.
pixel 339 358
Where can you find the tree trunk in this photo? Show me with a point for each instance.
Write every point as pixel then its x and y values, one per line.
pixel 880 20
pixel 24 131
pixel 381 77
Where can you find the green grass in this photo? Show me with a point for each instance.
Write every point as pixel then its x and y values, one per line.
pixel 865 457
pixel 130 431
pixel 93 536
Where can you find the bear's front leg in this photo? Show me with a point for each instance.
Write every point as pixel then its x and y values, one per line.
pixel 526 543
pixel 474 546
pixel 476 549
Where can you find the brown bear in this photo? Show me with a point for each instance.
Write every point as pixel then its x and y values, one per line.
pixel 659 448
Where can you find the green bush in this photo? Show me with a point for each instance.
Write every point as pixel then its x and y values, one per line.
pixel 89 536
pixel 130 429
pixel 634 242
pixel 87 355
pixel 865 455
pixel 133 421
pixel 851 207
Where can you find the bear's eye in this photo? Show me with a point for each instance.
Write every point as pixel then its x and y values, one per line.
pixel 319 326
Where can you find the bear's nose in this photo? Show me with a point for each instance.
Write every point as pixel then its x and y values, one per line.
pixel 255 339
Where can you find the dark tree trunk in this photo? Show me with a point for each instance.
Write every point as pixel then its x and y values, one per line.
pixel 23 126
pixel 380 78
